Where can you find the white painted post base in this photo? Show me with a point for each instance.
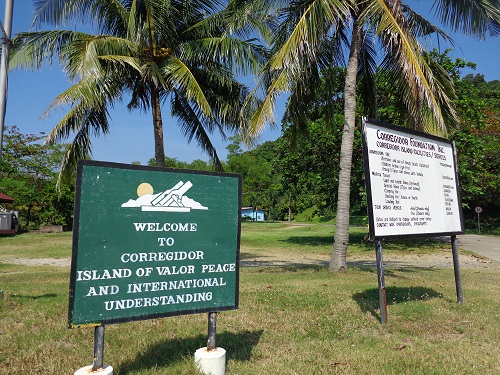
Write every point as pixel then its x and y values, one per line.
pixel 106 370
pixel 211 362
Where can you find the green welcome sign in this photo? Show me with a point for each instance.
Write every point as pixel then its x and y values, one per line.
pixel 153 242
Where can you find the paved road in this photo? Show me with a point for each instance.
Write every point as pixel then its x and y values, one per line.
pixel 488 246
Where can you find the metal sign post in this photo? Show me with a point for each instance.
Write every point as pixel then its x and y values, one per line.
pixel 97 365
pixel 98 348
pixel 478 211
pixel 382 295
pixel 212 330
pixel 456 268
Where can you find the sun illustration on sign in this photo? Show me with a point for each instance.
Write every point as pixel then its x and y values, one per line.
pixel 171 200
pixel 144 189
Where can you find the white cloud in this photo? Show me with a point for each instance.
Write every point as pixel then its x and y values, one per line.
pixel 188 202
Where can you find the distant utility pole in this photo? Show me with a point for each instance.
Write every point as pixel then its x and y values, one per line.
pixel 4 65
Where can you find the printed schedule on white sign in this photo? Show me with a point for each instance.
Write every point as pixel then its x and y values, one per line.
pixel 412 183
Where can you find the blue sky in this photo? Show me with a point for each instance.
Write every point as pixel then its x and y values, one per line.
pixel 131 136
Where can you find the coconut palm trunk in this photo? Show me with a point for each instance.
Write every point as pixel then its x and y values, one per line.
pixel 158 127
pixel 338 260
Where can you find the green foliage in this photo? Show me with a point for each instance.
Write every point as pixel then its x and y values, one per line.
pixel 477 138
pixel 310 150
pixel 262 185
pixel 298 173
pixel 29 176
pixel 195 165
pixel 310 167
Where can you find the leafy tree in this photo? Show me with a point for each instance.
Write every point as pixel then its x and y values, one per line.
pixel 18 153
pixel 477 137
pixel 150 51
pixel 29 176
pixel 261 184
pixel 309 168
pixel 313 146
pixel 311 38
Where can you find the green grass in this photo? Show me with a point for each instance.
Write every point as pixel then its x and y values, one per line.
pixel 286 239
pixel 291 320
pixel 36 245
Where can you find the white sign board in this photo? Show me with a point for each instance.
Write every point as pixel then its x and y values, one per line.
pixel 412 183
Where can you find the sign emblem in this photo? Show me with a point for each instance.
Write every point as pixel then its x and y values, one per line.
pixel 170 200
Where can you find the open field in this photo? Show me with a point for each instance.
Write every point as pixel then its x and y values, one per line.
pixel 294 316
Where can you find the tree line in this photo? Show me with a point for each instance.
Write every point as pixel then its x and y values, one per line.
pixel 296 176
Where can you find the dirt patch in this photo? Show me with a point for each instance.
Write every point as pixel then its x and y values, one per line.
pixel 434 260
pixel 62 262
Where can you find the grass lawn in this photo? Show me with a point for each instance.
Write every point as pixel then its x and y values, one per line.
pixel 291 320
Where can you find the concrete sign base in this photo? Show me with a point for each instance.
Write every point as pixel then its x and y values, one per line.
pixel 211 362
pixel 106 370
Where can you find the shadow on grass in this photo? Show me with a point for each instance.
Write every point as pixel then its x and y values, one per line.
pixel 238 347
pixel 357 238
pixel 309 240
pixel 21 297
pixel 368 300
pixel 290 268
pixel 392 268
pixel 247 255
pixel 360 238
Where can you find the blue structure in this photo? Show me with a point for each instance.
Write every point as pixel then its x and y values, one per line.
pixel 251 214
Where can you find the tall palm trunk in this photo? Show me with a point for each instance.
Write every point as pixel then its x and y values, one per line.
pixel 338 261
pixel 158 127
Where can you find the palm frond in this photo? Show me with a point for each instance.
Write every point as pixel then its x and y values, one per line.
pixel 112 14
pixel 30 50
pixel 421 27
pixel 366 71
pixel 178 74
pixel 89 93
pixel 58 12
pixel 245 18
pixel 309 30
pixel 243 57
pixel 193 127
pixel 406 57
pixel 265 112
pixel 475 18
pixel 332 49
pixel 84 123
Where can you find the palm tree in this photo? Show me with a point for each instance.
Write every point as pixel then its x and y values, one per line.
pixel 313 36
pixel 147 51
